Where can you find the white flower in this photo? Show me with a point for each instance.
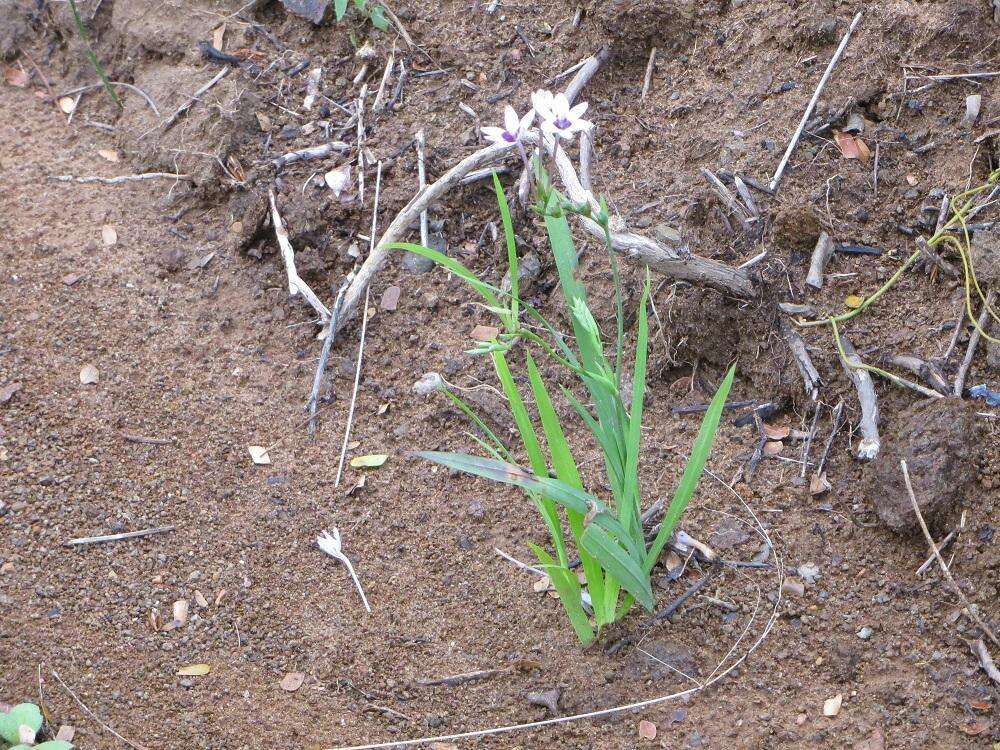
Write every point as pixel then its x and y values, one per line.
pixel 558 118
pixel 514 128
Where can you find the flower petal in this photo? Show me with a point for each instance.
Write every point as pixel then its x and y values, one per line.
pixel 560 105
pixel 527 120
pixel 577 112
pixel 578 126
pixel 541 100
pixel 492 134
pixel 510 119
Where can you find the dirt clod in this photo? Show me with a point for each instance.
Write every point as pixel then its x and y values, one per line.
pixel 937 439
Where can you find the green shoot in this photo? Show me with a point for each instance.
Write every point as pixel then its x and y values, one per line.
pixel 607 533
pixel 82 31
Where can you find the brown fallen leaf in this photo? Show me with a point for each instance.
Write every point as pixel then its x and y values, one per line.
pixel 109 234
pixel 975 727
pixel 362 480
pixel 484 333
pixel 390 298
pixel 292 681
pixel 15 77
pixel 89 375
pixel 541 584
pixel 194 670
pixel 864 153
pixel 382 409
pixel 647 730
pixel 8 391
pixel 847 144
pixel 818 484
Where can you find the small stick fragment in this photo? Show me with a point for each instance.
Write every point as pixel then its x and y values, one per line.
pixel 313 152
pixel 379 102
pixel 295 283
pixel 838 420
pixel 744 191
pixel 361 142
pixel 985 660
pixel 776 180
pixel 364 330
pixel 136 89
pixel 130 438
pixel 970 610
pixel 810 375
pixel 118 537
pixel 331 335
pixel 648 79
pixel 870 442
pixel 312 87
pixel 668 611
pixel 927 371
pixel 518 563
pixel 820 257
pixel 418 140
pixel 461 679
pixel 172 120
pixel 963 369
pixel 121 178
pixel 942 545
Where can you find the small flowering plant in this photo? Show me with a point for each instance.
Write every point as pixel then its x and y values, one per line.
pixel 607 532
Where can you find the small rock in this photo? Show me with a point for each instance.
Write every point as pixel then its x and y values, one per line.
pixel 477 510
pixel 549 699
pixel 986 257
pixel 433 721
pixel 417 264
pixel 865 633
pixel 793 587
pixel 831 706
pixel 528 269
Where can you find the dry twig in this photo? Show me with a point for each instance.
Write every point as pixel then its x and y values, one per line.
pixel 118 537
pixel 295 283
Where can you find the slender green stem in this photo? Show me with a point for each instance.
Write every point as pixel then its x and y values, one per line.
pixel 82 31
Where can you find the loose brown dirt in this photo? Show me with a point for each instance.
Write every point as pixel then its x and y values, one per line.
pixel 214 356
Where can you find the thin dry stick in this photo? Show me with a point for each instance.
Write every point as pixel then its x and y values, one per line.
pixel 379 102
pixel 810 375
pixel 943 544
pixel 970 610
pixel 118 537
pixel 364 329
pixel 92 715
pixel 776 180
pixel 361 142
pixel 136 89
pixel 325 354
pixel 121 178
pixel 985 660
pixel 313 152
pixel 172 120
pixel 418 139
pixel 963 369
pixel 870 441
pixel 648 79
pixel 295 283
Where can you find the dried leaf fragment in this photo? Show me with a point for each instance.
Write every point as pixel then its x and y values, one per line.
pixel 647 730
pixel 259 454
pixel 181 608
pixel 484 333
pixel 818 484
pixel 776 432
pixel 853 301
pixel 372 461
pixel 199 599
pixel 292 681
pixel 194 670
pixel 109 154
pixel 89 375
pixel 109 235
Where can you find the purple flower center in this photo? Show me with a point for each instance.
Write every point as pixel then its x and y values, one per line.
pixel 509 137
pixel 562 123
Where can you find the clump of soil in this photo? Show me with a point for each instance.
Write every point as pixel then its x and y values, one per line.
pixel 937 438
